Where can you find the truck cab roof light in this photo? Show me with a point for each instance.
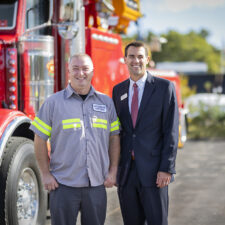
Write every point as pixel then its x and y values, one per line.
pixel 12 62
pixel 12 70
pixel 11 52
pixel 12 89
pixel 12 80
pixel 12 106
pixel 12 97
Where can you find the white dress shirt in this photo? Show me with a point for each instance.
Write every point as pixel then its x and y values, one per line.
pixel 141 84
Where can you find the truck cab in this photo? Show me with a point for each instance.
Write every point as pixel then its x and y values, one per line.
pixel 37 38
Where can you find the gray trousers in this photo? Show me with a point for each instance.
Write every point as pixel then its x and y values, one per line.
pixel 66 202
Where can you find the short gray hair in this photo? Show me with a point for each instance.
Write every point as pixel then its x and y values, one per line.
pixel 81 55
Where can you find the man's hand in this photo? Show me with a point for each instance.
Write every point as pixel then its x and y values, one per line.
pixel 41 153
pixel 110 180
pixel 50 182
pixel 114 154
pixel 163 179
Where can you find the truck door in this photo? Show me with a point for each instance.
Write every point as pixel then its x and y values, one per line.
pixel 36 54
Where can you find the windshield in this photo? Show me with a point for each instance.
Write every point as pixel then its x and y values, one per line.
pixel 8 10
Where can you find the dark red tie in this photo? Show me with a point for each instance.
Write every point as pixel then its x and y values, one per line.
pixel 134 104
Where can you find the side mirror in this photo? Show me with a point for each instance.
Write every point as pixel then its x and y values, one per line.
pixel 67 30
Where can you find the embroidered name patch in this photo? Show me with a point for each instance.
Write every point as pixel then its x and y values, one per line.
pixel 99 108
pixel 122 97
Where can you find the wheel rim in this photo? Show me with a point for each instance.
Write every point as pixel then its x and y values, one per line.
pixel 27 198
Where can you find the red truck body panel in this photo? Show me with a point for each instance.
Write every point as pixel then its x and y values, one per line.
pixel 105 50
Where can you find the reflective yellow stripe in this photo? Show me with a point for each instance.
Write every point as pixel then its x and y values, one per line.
pixel 114 128
pixel 100 126
pixel 75 120
pixel 41 128
pixel 43 124
pixel 96 120
pixel 68 126
pixel 115 123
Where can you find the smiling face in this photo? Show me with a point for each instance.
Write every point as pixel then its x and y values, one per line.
pixel 136 61
pixel 80 73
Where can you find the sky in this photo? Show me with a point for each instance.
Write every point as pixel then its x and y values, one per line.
pixel 183 16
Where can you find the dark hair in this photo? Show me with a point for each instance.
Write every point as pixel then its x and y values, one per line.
pixel 136 44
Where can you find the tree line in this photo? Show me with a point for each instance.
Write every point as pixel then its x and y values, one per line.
pixel 192 46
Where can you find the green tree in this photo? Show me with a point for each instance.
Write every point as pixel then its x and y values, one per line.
pixel 204 33
pixel 192 46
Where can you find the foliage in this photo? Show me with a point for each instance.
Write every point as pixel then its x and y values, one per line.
pixel 206 121
pixel 208 86
pixel 186 91
pixel 188 47
pixel 192 46
pixel 204 33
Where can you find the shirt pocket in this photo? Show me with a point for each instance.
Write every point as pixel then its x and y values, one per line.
pixel 99 121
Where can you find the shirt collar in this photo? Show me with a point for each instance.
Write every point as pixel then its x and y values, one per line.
pixel 141 82
pixel 70 91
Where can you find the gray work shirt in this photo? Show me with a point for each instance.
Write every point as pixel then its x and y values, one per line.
pixel 79 134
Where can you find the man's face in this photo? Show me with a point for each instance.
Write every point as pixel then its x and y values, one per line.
pixel 136 62
pixel 80 73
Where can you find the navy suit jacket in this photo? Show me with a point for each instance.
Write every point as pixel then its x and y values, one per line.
pixel 155 137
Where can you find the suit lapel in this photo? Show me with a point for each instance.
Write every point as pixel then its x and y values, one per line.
pixel 124 103
pixel 148 90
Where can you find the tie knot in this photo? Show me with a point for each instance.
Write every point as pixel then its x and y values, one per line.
pixel 135 85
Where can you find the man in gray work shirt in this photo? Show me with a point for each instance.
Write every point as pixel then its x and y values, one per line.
pixel 83 129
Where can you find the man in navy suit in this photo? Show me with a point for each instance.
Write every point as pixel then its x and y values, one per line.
pixel 148 113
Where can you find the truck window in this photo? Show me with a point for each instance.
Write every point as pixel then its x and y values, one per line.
pixel 66 10
pixel 8 12
pixel 37 13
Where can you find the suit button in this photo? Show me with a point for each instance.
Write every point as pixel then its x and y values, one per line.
pixel 134 135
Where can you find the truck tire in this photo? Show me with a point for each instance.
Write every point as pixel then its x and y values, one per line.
pixel 23 200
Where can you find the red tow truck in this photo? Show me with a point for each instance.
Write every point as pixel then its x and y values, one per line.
pixel 37 37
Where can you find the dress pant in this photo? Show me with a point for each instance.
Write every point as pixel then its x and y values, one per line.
pixel 142 204
pixel 66 202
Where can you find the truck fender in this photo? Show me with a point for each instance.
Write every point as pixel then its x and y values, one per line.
pixel 23 199
pixel 10 120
